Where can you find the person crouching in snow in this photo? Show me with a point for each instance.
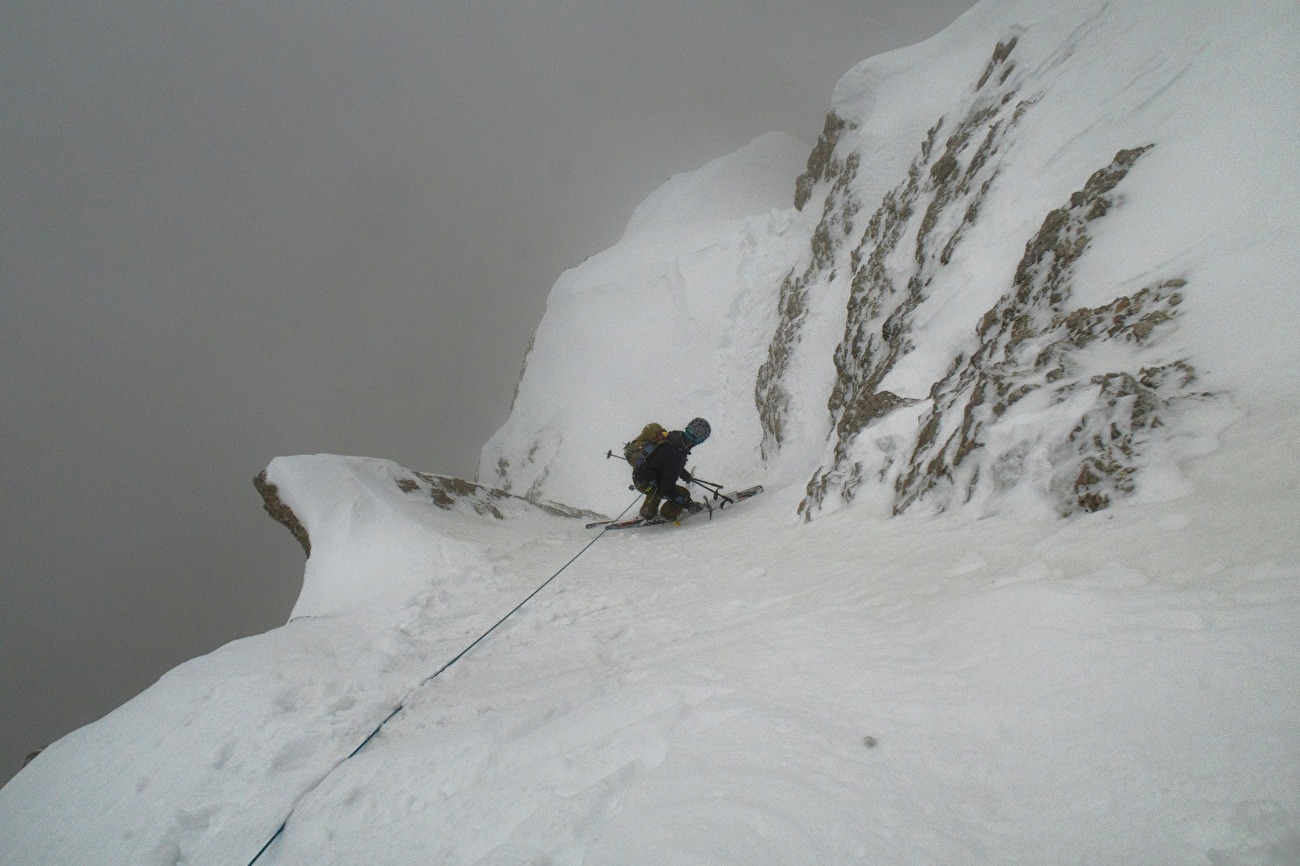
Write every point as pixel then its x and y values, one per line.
pixel 657 476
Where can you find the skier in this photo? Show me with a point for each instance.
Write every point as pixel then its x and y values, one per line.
pixel 657 476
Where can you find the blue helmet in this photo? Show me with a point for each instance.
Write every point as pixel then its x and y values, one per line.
pixel 697 431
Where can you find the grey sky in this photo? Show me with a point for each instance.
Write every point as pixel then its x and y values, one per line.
pixel 241 229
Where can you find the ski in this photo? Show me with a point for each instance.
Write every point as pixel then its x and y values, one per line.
pixel 717 502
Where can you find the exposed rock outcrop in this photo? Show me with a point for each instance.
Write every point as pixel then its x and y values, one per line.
pixel 444 491
pixel 947 190
pixel 819 161
pixel 280 512
pixel 837 223
pixel 447 492
pixel 1030 343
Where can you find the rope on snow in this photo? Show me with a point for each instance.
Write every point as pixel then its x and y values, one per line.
pixel 402 704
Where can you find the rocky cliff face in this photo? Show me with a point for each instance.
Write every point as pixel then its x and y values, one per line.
pixel 771 394
pixel 1031 352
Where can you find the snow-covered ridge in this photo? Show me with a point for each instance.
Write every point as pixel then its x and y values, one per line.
pixel 753 180
pixel 350 513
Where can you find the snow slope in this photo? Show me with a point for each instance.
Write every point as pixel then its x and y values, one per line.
pixel 663 319
pixel 971 678
pixel 1120 687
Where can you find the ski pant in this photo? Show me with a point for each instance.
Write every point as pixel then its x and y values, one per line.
pixel 670 510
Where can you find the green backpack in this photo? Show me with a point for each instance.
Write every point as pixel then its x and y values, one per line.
pixel 652 436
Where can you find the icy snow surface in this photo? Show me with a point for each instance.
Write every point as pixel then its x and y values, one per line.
pixel 988 684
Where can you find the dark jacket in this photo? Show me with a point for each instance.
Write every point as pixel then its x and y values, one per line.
pixel 664 466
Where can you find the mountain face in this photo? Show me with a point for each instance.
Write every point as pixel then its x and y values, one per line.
pixel 970 341
pixel 988 288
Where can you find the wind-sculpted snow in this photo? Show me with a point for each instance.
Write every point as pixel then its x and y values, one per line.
pixel 343 509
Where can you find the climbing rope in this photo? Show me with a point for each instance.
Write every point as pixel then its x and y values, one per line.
pixel 429 679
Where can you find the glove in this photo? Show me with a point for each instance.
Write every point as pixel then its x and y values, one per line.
pixel 686 476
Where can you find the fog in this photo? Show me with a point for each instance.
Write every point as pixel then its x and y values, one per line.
pixel 235 230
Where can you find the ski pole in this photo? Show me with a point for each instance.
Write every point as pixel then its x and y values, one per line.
pixel 715 489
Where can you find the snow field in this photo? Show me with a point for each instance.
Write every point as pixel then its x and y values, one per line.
pixel 1116 688
pixel 1119 687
